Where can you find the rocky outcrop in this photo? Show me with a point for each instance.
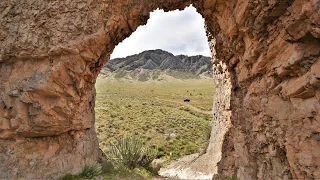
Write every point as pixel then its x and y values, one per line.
pixel 274 105
pixel 156 64
pixel 266 56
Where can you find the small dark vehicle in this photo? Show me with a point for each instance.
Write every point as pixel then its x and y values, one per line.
pixel 186 100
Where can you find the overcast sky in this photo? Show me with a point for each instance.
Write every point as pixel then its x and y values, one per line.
pixel 179 32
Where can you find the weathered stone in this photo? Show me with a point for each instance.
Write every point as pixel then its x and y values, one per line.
pixel 296 87
pixel 315 74
pixel 266 63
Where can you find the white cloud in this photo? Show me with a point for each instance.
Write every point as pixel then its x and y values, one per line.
pixel 179 32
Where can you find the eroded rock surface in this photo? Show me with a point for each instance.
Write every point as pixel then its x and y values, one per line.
pixel 266 55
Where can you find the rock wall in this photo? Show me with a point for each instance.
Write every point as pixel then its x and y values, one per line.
pixel 267 58
pixel 272 51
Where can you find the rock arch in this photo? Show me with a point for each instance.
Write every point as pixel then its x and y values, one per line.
pixel 267 52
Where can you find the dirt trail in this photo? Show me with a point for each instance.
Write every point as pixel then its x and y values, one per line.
pixel 188 105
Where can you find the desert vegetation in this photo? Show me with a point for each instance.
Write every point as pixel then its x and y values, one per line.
pixel 137 122
pixel 130 108
pixel 131 152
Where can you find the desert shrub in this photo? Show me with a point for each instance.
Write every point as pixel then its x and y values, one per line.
pixel 87 172
pixel 174 155
pixel 191 148
pixel 107 167
pixel 113 115
pixel 90 171
pixel 70 177
pixel 130 152
pixel 160 152
pixel 149 155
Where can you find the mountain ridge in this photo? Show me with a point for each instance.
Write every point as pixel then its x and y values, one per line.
pixel 158 65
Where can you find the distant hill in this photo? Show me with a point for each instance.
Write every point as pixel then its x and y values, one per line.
pixel 158 65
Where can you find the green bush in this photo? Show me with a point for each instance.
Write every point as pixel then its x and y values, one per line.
pixel 90 171
pixel 130 153
pixel 107 167
pixel 70 177
pixel 149 155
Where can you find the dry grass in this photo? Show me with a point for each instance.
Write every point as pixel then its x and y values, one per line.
pixel 127 108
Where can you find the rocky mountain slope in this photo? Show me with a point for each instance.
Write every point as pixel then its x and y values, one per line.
pixel 158 65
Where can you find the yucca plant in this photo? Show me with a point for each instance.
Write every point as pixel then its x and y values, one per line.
pixel 129 153
pixel 149 155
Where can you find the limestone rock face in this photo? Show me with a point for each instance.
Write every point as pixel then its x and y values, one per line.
pixel 266 55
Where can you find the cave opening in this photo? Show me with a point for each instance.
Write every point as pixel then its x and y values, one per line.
pixel 158 86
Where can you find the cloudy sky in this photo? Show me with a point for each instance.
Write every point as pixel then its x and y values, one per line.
pixel 179 32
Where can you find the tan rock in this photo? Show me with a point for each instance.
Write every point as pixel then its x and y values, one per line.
pixel 266 71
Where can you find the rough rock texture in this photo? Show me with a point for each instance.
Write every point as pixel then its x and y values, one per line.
pixel 267 52
pixel 272 51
